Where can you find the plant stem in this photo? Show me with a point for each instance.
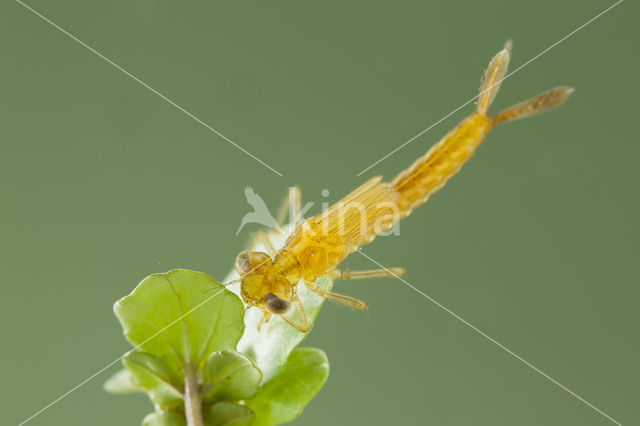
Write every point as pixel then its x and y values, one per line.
pixel 192 397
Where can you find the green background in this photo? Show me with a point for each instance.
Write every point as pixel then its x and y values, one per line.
pixel 535 242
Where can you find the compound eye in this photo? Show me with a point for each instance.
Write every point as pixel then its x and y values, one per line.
pixel 243 266
pixel 276 305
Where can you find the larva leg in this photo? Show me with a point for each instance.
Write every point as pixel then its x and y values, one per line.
pixel 344 274
pixel 293 204
pixel 302 325
pixel 263 237
pixel 336 297
pixel 293 199
pixel 266 316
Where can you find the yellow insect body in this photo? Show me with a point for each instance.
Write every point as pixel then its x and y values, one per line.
pixel 318 245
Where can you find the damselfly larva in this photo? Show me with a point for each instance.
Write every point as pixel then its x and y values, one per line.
pixel 318 245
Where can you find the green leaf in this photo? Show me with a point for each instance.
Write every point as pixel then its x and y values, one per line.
pixel 157 377
pixel 282 398
pixel 182 316
pixel 228 414
pixel 164 419
pixel 229 376
pixel 185 319
pixel 122 382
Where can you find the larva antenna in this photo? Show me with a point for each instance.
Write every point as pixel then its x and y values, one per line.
pixel 237 280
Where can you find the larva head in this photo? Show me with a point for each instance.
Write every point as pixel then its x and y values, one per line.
pixel 264 283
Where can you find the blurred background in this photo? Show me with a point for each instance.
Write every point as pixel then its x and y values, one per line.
pixel 535 242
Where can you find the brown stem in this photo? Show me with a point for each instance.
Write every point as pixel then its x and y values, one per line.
pixel 192 397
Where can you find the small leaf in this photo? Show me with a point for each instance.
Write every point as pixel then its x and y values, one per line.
pixel 122 382
pixel 228 414
pixel 229 376
pixel 181 314
pixel 157 377
pixel 164 419
pixel 283 398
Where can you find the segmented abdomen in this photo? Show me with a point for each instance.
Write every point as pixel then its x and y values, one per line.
pixel 430 172
pixel 323 241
